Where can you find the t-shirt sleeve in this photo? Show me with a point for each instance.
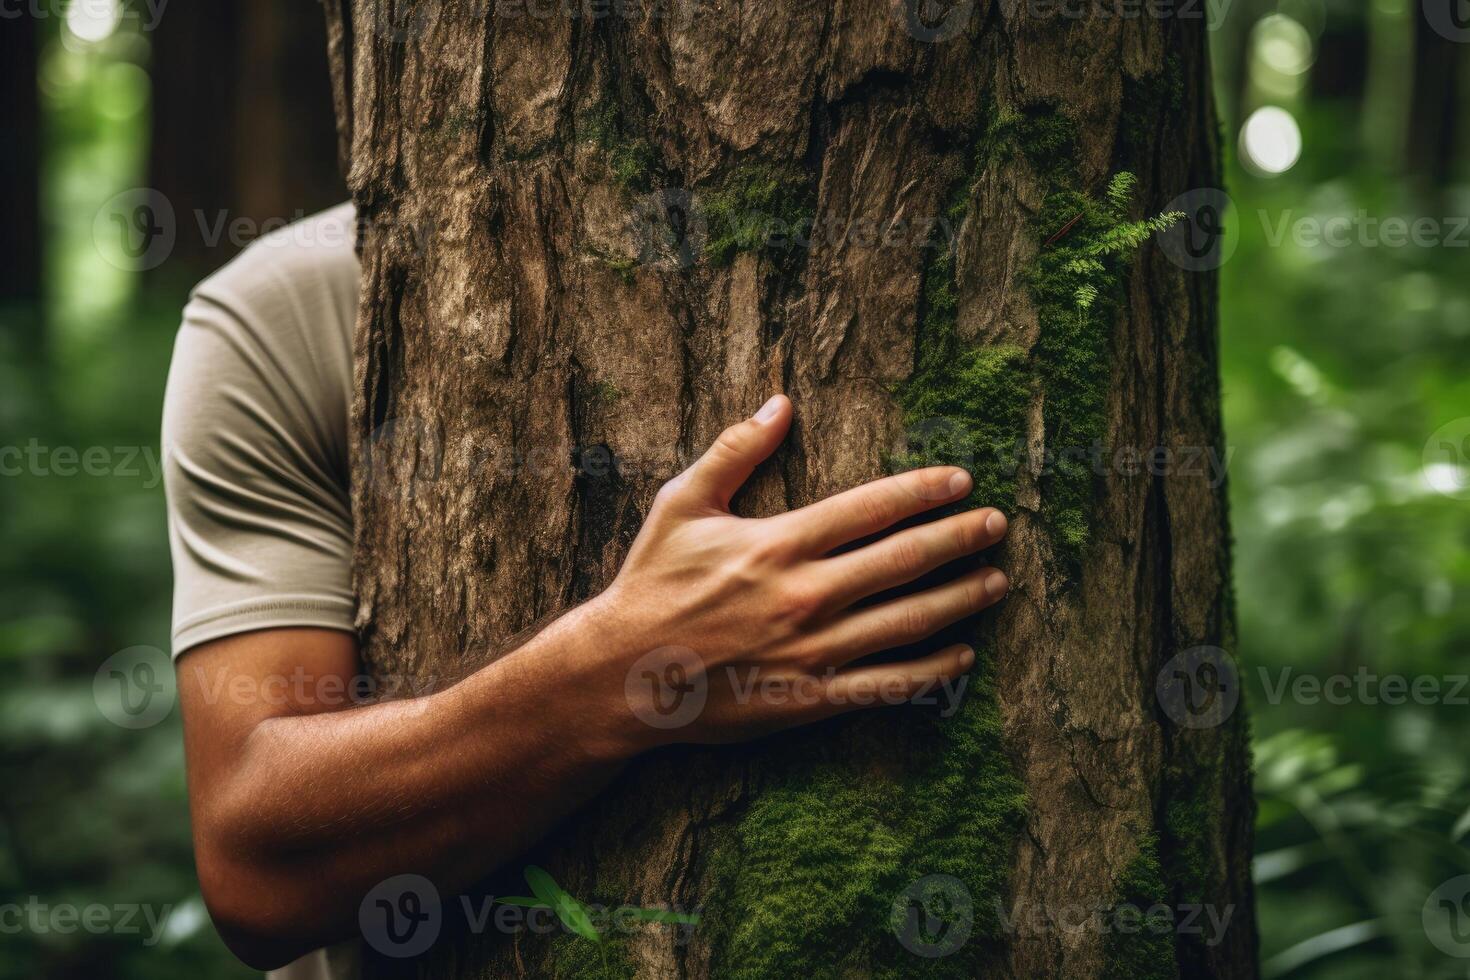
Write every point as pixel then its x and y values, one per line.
pixel 255 445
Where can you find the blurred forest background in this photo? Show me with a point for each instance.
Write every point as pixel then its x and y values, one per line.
pixel 1347 395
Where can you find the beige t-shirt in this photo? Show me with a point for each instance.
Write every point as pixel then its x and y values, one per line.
pixel 256 454
pixel 255 437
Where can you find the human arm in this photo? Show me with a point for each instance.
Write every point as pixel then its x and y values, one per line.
pixel 301 804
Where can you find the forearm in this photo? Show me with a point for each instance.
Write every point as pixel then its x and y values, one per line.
pixel 299 812
pixel 322 807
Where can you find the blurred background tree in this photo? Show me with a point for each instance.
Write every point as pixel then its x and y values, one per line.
pixel 1340 363
pixel 224 108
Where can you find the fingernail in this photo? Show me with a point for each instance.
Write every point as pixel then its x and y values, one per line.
pixel 996 584
pixel 996 523
pixel 959 483
pixel 967 658
pixel 769 409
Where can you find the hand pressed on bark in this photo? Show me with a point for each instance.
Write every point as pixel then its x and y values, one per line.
pixel 302 804
pixel 745 605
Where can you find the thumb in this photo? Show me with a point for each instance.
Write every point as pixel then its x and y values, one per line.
pixel 724 468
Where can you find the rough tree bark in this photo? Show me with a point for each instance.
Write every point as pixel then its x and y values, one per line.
pixel 565 299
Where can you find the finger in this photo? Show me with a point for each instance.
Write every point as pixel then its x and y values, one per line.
pixel 909 619
pixel 870 508
pixel 727 464
pixel 903 557
pixel 899 682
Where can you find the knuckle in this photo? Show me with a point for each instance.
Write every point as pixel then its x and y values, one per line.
pixel 799 605
pixel 966 537
pixel 914 621
pixel 931 484
pixel 735 439
pixel 908 557
pixel 808 659
pixel 876 510
pixel 934 481
pixel 765 552
pixel 669 492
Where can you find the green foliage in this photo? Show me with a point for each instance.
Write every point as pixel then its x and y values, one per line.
pixel 1339 362
pixel 1076 284
pixel 597 955
pixel 1337 365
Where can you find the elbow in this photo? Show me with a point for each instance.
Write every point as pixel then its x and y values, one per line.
pixel 260 916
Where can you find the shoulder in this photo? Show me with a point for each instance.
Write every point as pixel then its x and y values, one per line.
pixel 262 364
pixel 255 437
pixel 308 267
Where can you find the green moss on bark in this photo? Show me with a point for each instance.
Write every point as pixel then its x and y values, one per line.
pixel 1085 244
pixel 756 208
pixel 806 878
pixel 1144 950
pixel 631 159
pixel 575 958
pixel 1190 822
pixel 967 406
pixel 963 406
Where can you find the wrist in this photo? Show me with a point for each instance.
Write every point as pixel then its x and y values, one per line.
pixel 602 643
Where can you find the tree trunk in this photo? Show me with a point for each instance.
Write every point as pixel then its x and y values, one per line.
pixel 1434 109
pixel 20 167
pixel 242 120
pixel 594 239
